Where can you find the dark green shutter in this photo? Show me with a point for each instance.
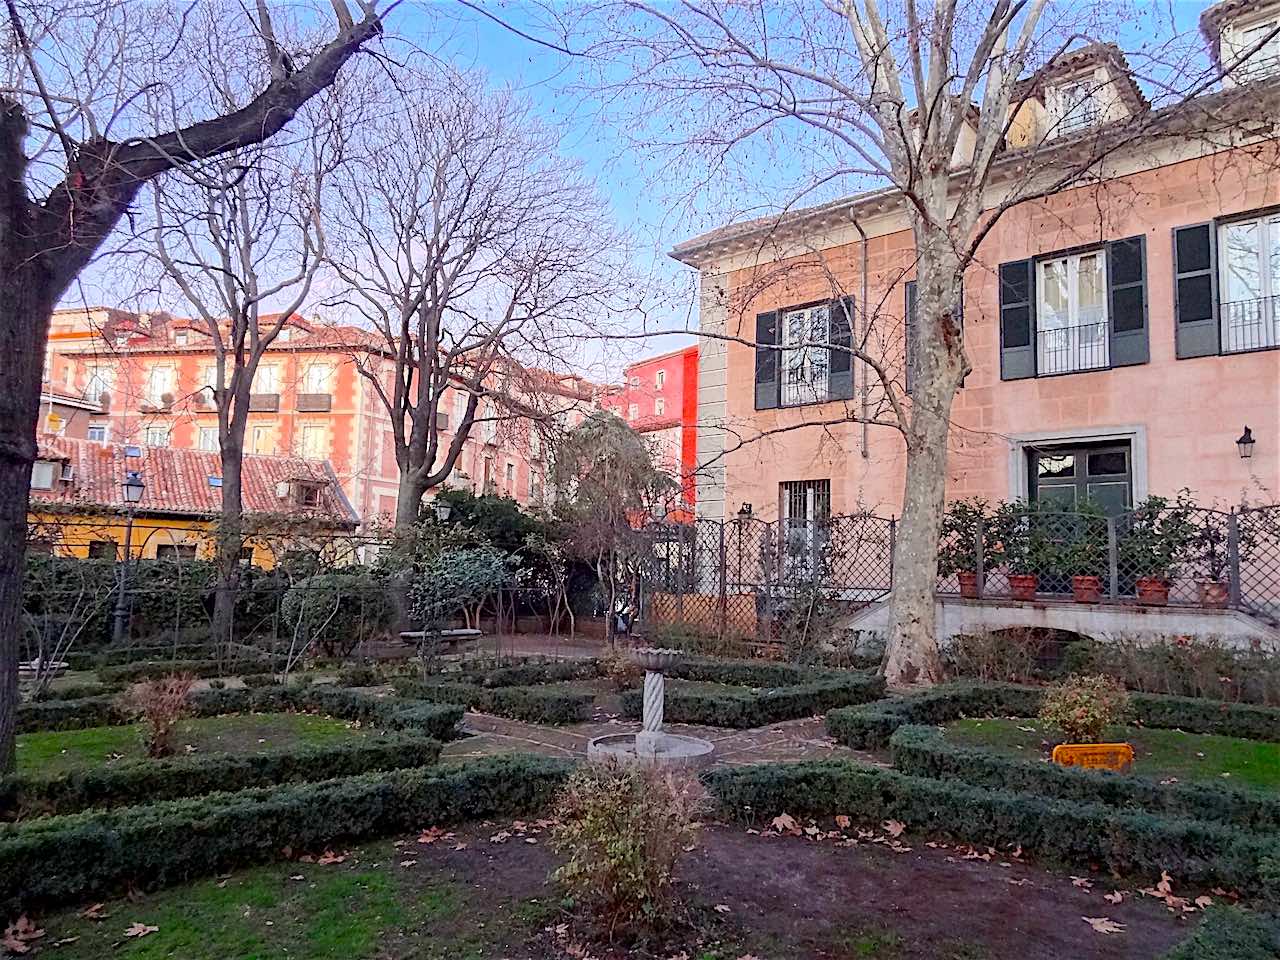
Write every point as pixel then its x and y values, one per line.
pixel 767 360
pixel 1017 320
pixel 1127 279
pixel 912 332
pixel 1195 296
pixel 840 386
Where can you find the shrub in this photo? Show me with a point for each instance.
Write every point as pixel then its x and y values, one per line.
pixel 455 579
pixel 746 673
pixel 747 708
pixel 622 830
pixel 147 781
pixel 1083 707
pixel 160 704
pixel 1127 842
pixel 338 611
pixel 256 681
pixel 505 673
pixel 1231 933
pixel 78 714
pixel 155 669
pixel 217 684
pixel 360 675
pixel 621 670
pixel 925 752
pixel 529 704
pixel 995 655
pixel 78 691
pixel 61 859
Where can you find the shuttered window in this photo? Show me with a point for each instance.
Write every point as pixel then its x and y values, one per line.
pixel 803 355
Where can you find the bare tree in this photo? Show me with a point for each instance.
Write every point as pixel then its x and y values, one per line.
pixel 75 149
pixel 919 100
pixel 473 249
pixel 240 238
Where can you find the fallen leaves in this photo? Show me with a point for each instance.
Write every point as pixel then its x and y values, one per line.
pixel 95 911
pixel 20 934
pixel 1103 925
pixel 721 908
pixel 894 828
pixel 329 857
pixel 137 930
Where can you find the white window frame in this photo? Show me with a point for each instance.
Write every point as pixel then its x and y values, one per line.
pixel 318 378
pixel 633 411
pixel 181 337
pixel 207 438
pixel 319 451
pixel 1071 115
pixel 805 356
pixel 157 436
pixel 101 379
pixel 1265 62
pixel 659 406
pixel 161 379
pixel 660 379
pixel 1253 323
pixel 104 427
pixel 1079 339
pixel 261 430
pixel 266 379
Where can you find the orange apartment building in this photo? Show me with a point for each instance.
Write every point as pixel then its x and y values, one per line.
pixel 659 399
pixel 145 380
pixel 1122 334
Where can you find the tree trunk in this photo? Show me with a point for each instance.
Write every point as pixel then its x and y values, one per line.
pixel 26 301
pixel 912 656
pixel 229 542
pixel 408 501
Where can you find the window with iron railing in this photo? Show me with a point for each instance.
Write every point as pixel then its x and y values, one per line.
pixel 1071 316
pixel 1249 283
pixel 1078 107
pixel 806 355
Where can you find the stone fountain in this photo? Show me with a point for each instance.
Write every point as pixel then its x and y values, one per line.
pixel 651 746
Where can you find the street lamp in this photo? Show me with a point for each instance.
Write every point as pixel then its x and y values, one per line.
pixel 1245 444
pixel 131 490
pixel 442 508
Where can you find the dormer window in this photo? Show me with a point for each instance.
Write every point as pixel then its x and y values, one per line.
pixel 307 495
pixel 1077 106
pixel 1259 45
pixel 180 338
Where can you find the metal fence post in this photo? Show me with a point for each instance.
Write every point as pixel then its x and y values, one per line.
pixel 893 546
pixel 1113 560
pixel 980 558
pixel 1233 558
pixel 723 604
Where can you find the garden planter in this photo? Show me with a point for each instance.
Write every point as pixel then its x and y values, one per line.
pixel 1086 589
pixel 1022 586
pixel 1213 594
pixel 1094 756
pixel 968 584
pixel 1153 591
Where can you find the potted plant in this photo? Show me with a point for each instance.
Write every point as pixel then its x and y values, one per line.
pixel 1079 550
pixel 1083 707
pixel 958 546
pixel 1023 546
pixel 1206 552
pixel 1153 537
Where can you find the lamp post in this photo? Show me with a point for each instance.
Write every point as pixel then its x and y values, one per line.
pixel 442 509
pixel 131 489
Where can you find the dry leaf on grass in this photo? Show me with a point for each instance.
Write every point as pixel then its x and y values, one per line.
pixel 785 823
pixel 1104 924
pixel 95 911
pixel 721 908
pixel 329 857
pixel 894 828
pixel 137 929
pixel 1115 896
pixel 843 822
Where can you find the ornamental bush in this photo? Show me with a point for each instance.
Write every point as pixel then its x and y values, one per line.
pixel 338 611
pixel 1083 707
pixel 529 704
pixel 623 830
pixel 746 708
pixel 160 704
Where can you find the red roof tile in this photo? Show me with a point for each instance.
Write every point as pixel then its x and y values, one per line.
pixel 177 480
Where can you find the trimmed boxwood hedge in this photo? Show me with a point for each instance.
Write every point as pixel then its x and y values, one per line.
pixel 389 713
pixel 80 690
pixel 70 858
pixel 101 711
pixel 146 781
pixel 871 726
pixel 924 752
pixel 529 704
pixel 746 673
pixel 1128 842
pixel 747 708
pixel 1230 933
pixel 532 672
pixel 154 669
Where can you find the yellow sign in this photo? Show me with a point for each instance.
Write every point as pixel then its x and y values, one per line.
pixel 1094 756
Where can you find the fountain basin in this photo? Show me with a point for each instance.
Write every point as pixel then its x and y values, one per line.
pixel 668 750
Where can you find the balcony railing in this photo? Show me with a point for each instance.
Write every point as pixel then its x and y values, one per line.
pixel 315 402
pixel 1250 324
pixel 1071 349
pixel 264 402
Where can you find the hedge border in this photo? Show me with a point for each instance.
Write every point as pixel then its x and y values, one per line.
pixel 1128 842
pixel 70 858
pixel 530 704
pixel 923 751
pixel 871 727
pixel 154 669
pixel 532 673
pixel 753 707
pixel 1231 933
pixel 147 781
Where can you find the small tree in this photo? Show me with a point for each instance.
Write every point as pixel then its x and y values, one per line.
pixel 607 487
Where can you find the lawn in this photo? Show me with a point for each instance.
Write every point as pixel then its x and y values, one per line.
pixel 1161 754
pixel 59 751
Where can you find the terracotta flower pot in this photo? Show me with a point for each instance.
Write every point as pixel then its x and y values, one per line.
pixel 1153 591
pixel 1086 589
pixel 968 584
pixel 1213 593
pixel 1022 586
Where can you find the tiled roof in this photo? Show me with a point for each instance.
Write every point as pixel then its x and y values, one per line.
pixel 177 480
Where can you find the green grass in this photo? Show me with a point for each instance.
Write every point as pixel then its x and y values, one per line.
pixel 1161 754
pixel 368 909
pixel 59 751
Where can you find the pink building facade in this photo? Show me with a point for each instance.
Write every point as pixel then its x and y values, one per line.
pixel 1122 336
